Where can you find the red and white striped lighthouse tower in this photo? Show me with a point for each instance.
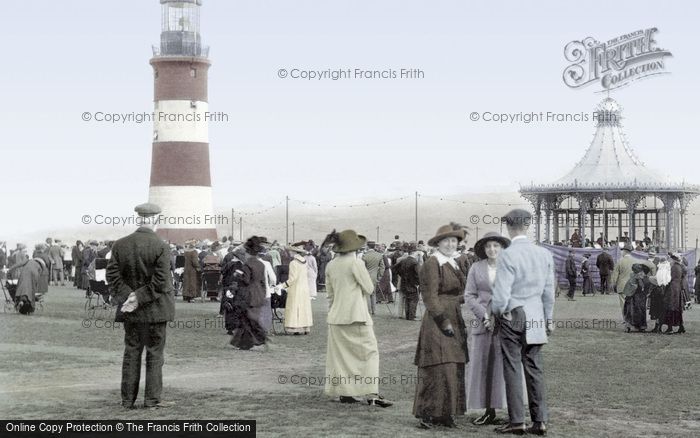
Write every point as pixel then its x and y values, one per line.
pixel 180 176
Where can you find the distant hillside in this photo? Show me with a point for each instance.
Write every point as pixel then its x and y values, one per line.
pixel 393 218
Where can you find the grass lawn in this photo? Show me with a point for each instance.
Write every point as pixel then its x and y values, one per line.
pixel 600 380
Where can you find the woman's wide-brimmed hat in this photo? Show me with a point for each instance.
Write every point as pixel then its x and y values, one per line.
pixel 493 236
pixel 345 241
pixel 445 231
pixel 297 247
pixel 239 252
pixel 254 245
pixel 639 267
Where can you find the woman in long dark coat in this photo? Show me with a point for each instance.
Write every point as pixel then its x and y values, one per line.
pixel 77 256
pixel 29 274
pixel 41 251
pixel 656 287
pixel 192 273
pixel 384 285
pixel 587 288
pixel 249 300
pixel 442 342
pixel 635 307
pixel 88 270
pixel 674 298
pixel 231 273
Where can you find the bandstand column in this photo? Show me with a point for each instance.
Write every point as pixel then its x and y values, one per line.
pixel 605 225
pixel 582 213
pixel 681 232
pixel 548 224
pixel 619 225
pixel 630 222
pixel 657 240
pixel 555 233
pixel 669 203
pixel 646 222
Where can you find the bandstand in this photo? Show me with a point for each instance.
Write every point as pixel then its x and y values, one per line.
pixel 611 191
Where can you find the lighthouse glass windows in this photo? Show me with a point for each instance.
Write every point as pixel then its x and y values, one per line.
pixel 180 17
pixel 180 28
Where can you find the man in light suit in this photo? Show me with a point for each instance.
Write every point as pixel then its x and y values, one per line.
pixel 622 272
pixel 375 266
pixel 523 302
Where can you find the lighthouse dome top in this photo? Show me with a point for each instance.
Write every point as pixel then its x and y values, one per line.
pixel 180 29
pixel 197 2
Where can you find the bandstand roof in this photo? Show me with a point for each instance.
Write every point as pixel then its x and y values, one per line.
pixel 609 163
pixel 609 158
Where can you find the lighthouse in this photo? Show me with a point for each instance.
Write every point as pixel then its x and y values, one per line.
pixel 180 176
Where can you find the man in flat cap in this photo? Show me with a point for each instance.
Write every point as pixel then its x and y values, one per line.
pixel 523 302
pixel 141 285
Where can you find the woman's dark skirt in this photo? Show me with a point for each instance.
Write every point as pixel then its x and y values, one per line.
pixel 674 314
pixel 440 391
pixel 657 309
pixel 248 332
pixel 635 310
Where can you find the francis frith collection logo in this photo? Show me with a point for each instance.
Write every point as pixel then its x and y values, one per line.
pixel 616 62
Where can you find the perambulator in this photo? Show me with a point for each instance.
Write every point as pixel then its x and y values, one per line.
pixel 23 304
pixel 178 273
pixel 97 296
pixel 9 289
pixel 211 277
pixel 278 303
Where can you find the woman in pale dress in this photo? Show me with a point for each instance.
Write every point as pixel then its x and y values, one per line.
pixel 311 269
pixel 297 313
pixel 487 387
pixel 352 347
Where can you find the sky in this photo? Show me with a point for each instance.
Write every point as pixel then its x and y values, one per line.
pixel 326 141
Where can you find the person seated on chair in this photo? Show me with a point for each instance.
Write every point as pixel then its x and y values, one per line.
pixel 28 284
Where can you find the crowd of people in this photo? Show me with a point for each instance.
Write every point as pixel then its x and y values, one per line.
pixel 657 286
pixel 577 241
pixel 508 284
pixel 52 263
pixel 358 274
